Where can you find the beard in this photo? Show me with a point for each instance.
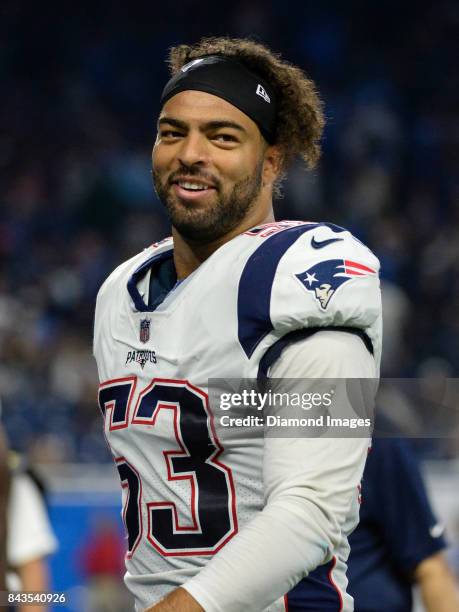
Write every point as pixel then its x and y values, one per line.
pixel 208 223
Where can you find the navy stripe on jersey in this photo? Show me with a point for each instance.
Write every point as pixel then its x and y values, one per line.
pixel 155 260
pixel 255 284
pixel 275 350
pixel 317 592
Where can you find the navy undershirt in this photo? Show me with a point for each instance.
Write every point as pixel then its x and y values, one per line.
pixel 163 280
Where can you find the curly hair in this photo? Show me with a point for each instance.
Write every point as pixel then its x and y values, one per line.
pixel 300 118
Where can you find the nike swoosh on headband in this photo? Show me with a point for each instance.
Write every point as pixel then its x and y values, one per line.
pixel 316 244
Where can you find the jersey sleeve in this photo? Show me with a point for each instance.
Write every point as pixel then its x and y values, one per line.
pixel 310 488
pixel 334 283
pixel 310 276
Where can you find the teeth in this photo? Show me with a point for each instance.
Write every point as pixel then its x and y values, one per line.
pixel 193 186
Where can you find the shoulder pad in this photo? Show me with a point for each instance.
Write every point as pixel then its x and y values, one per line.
pixel 311 275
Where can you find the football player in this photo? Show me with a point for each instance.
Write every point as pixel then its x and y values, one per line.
pixel 218 521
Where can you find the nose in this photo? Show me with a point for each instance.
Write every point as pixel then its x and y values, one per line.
pixel 193 150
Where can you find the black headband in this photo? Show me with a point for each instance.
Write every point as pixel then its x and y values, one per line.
pixel 228 79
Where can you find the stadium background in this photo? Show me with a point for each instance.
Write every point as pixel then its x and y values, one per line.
pixel 80 90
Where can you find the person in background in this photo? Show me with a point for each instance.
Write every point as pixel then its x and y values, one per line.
pixel 101 560
pixel 399 542
pixel 30 539
pixel 4 486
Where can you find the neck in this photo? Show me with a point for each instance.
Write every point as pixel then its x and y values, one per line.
pixel 188 256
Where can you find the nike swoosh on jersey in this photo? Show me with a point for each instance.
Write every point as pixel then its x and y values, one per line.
pixel 322 243
pixel 437 530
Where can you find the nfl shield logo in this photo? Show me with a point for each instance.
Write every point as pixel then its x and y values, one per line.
pixel 144 330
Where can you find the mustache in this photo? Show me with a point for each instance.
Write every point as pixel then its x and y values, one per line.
pixel 194 172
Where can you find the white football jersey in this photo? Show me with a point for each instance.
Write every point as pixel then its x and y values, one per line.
pixel 188 484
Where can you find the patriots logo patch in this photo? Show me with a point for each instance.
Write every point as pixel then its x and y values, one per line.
pixel 326 277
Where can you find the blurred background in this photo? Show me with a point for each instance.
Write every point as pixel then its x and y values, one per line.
pixel 78 105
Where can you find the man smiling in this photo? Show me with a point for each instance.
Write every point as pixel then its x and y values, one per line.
pixel 205 204
pixel 219 522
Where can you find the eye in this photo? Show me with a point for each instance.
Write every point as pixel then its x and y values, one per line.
pixel 169 134
pixel 225 138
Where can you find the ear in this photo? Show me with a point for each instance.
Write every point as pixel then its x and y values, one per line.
pixel 272 165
